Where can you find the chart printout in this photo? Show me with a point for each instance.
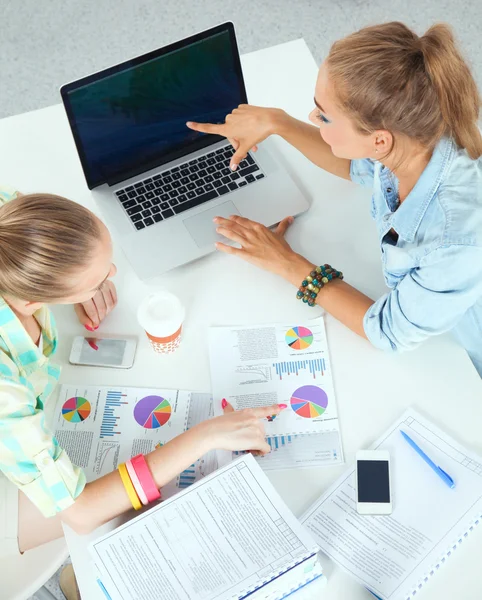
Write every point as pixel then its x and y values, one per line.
pixel 260 365
pixel 101 427
pixel 216 540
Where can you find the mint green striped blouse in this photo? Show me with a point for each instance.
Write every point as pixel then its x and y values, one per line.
pixel 30 456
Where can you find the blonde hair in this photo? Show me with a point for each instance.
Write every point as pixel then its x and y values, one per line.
pixel 387 77
pixel 45 241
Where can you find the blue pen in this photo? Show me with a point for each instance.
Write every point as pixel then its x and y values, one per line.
pixel 445 477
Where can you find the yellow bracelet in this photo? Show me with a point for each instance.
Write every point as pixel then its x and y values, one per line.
pixel 129 487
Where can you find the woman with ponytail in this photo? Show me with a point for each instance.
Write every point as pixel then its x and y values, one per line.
pixel 398 113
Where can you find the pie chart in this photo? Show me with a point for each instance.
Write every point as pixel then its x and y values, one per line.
pixel 299 338
pixel 309 401
pixel 152 412
pixel 76 409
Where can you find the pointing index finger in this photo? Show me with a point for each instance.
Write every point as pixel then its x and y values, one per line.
pixel 266 411
pixel 205 127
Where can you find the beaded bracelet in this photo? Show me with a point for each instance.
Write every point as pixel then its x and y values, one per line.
pixel 311 286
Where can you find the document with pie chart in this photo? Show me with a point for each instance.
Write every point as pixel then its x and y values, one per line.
pixel 285 363
pixel 102 426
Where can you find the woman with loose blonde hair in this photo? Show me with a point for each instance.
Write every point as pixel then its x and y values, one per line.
pixel 399 113
pixel 55 251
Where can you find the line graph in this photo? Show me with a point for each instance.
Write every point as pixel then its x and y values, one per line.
pixel 261 371
pixel 106 457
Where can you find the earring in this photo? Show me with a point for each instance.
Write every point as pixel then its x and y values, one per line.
pixel 376 149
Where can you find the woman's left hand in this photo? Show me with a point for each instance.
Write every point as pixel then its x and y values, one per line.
pixel 92 312
pixel 262 247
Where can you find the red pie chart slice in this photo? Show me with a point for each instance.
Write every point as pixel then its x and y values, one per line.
pixel 70 404
pixel 304 411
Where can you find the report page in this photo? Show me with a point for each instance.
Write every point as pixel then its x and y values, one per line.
pixel 219 539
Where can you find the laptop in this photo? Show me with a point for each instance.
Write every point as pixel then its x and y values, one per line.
pixel 157 183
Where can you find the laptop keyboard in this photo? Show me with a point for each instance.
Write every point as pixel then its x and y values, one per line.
pixel 190 184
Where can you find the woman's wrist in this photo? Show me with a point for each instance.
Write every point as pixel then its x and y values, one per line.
pixel 296 268
pixel 203 436
pixel 280 121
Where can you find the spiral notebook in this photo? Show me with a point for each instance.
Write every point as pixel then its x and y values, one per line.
pixel 227 537
pixel 395 556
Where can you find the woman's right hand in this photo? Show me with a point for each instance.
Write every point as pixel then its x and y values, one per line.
pixel 240 429
pixel 245 128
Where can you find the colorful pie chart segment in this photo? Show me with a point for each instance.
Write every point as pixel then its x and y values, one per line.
pixel 309 401
pixel 152 412
pixel 76 409
pixel 299 338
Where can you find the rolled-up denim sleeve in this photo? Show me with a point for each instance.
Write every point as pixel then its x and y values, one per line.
pixel 428 301
pixel 362 171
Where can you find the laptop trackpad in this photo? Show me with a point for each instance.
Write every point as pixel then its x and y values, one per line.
pixel 202 228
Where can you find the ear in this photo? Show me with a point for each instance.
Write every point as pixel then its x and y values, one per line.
pixel 382 143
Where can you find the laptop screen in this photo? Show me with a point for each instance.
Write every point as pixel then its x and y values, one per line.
pixel 131 118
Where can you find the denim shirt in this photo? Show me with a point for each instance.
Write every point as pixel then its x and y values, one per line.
pixel 434 269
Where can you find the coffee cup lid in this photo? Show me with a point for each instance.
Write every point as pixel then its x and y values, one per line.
pixel 161 314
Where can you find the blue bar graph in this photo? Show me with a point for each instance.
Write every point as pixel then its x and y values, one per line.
pixel 280 441
pixel 109 419
pixel 314 365
pixel 187 477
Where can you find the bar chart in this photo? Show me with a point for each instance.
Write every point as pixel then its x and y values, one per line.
pixel 316 366
pixel 280 441
pixel 113 401
pixel 187 477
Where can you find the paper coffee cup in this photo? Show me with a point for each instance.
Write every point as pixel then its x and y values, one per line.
pixel 161 315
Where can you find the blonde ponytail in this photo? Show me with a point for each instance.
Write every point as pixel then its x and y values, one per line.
pixel 387 77
pixel 455 87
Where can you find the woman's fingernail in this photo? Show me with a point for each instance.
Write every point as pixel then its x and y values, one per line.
pixel 93 345
pixel 291 219
pixel 88 327
pixel 224 403
pixel 234 167
pixel 282 406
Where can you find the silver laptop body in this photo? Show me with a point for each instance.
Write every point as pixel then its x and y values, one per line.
pixel 163 216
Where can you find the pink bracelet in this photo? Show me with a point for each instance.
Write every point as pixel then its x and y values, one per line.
pixel 136 483
pixel 145 478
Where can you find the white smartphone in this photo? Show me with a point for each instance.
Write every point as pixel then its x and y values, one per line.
pixel 373 490
pixel 104 352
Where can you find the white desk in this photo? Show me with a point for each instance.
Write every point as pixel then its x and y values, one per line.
pixel 37 154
